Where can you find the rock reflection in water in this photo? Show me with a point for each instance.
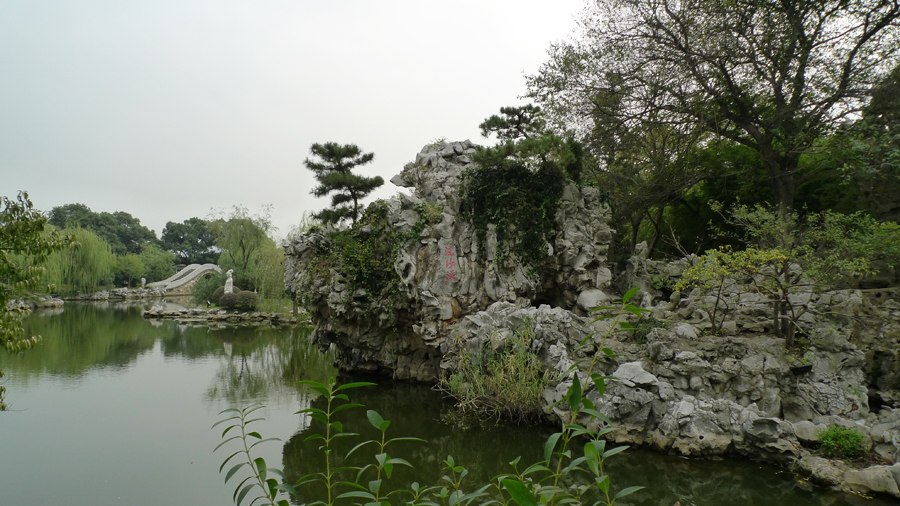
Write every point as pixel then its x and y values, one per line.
pixel 415 411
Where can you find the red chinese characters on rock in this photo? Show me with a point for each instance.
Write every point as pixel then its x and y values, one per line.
pixel 449 263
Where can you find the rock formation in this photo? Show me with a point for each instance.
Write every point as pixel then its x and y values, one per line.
pixel 676 389
pixel 443 273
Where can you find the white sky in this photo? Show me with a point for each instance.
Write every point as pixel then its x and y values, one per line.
pixel 165 109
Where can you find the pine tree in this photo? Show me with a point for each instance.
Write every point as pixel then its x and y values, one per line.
pixel 334 176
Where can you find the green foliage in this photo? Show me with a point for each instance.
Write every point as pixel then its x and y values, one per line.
pixel 821 252
pixel 123 232
pixel 644 326
pixel 841 442
pixel 364 255
pixel 128 268
pixel 333 172
pixel 84 269
pixel 555 480
pixel 25 244
pixel 246 301
pixel 239 300
pixel 516 185
pixel 209 288
pixel 740 71
pixel 242 239
pixel 159 264
pixel 268 276
pixel 521 204
pixel 502 383
pixel 228 300
pixel 192 241
pixel 262 478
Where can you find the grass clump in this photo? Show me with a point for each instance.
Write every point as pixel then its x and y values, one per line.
pixel 504 383
pixel 841 442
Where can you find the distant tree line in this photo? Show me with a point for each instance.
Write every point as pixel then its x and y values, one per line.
pixel 114 250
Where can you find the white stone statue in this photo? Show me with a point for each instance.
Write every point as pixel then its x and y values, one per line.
pixel 229 283
pixel 143 281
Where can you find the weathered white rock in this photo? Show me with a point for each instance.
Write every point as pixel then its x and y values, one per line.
pixel 878 479
pixel 445 273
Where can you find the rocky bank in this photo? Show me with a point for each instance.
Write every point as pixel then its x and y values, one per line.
pixel 678 389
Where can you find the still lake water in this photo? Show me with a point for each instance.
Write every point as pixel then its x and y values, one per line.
pixel 112 409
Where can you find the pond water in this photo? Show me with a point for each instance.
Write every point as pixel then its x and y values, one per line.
pixel 112 409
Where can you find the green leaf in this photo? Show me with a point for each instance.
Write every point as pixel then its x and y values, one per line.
pixel 573 396
pixel 360 445
pixel 260 464
pixel 550 446
pixel 226 460
pixel 223 443
pixel 261 441
pixel 357 493
pixel 355 385
pixel 349 405
pixel 629 294
pixel 603 483
pixel 418 439
pixel 618 449
pixel 626 491
pixel 233 470
pixel 600 382
pixel 246 490
pixel 375 419
pixel 374 486
pixel 317 387
pixel 520 493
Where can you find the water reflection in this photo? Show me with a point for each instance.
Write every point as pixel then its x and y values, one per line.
pixel 256 363
pixel 415 411
pixel 145 396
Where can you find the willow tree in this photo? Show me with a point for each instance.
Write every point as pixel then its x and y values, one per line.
pixel 333 172
pixel 774 76
pixel 84 269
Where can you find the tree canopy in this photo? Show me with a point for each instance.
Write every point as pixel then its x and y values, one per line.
pixel 333 172
pixel 193 241
pixel 773 76
pixel 122 231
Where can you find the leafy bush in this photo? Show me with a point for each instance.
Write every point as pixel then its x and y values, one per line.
pixel 246 301
pixel 508 384
pixel 206 287
pixel 243 300
pixel 841 442
pixel 643 327
pixel 228 300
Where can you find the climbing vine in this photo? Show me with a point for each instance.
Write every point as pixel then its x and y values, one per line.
pixel 520 202
pixel 364 254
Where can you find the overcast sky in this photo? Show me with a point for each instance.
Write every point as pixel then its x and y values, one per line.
pixel 165 109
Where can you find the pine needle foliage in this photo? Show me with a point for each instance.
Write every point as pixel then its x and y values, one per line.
pixel 333 172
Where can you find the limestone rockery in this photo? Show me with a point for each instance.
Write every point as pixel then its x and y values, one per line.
pixel 444 273
pixel 676 389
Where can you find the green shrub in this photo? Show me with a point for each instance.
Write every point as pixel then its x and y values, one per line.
pixel 643 327
pixel 246 300
pixel 204 289
pixel 228 300
pixel 840 442
pixel 505 383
